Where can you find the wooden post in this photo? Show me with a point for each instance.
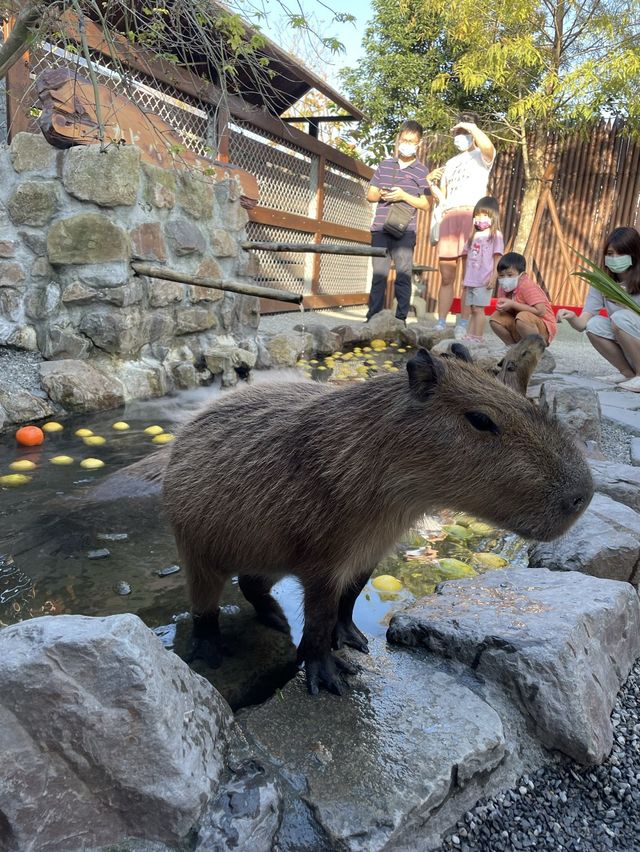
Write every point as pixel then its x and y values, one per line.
pixel 223 133
pixel 18 84
pixel 317 237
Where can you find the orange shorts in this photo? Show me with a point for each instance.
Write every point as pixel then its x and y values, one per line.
pixel 508 321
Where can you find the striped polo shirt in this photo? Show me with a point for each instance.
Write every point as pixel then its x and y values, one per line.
pixel 413 179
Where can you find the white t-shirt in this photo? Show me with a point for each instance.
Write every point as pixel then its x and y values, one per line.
pixel 465 179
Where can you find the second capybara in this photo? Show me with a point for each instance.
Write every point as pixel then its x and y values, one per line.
pixel 319 482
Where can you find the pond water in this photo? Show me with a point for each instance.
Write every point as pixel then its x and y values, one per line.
pixel 69 544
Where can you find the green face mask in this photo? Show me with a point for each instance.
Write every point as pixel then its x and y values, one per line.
pixel 618 262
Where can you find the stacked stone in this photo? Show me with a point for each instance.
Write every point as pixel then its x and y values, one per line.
pixel 71 223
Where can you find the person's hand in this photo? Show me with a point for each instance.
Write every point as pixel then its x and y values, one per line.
pixel 467 126
pixel 504 304
pixel 491 283
pixel 565 314
pixel 435 176
pixel 395 194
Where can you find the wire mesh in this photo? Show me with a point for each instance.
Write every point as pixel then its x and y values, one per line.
pixel 343 274
pixel 282 269
pixel 345 198
pixel 186 115
pixel 283 170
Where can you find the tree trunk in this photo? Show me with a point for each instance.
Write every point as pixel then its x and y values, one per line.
pixel 535 160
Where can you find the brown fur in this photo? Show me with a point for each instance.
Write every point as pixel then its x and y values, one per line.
pixel 320 482
pixel 519 362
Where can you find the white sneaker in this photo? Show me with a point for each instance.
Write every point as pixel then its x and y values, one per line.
pixel 631 384
pixel 440 325
pixel 460 330
pixel 612 379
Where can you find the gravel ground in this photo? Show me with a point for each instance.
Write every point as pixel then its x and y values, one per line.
pixel 20 369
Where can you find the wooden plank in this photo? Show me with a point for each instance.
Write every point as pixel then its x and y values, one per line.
pixel 18 84
pixel 314 248
pixel 295 222
pixel 321 171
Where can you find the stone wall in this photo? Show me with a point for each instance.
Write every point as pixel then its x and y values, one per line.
pixel 72 221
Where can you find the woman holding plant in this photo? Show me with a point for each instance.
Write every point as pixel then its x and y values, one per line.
pixel 616 336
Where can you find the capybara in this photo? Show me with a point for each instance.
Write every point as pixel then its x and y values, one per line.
pixel 320 482
pixel 519 362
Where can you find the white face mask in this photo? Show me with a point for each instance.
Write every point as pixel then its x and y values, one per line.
pixel 407 149
pixel 618 262
pixel 462 141
pixel 508 284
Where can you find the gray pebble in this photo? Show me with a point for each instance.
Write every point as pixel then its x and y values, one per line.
pixel 170 569
pixel 112 536
pixel 122 588
pixel 101 553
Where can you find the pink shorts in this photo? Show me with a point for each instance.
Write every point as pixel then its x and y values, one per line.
pixel 455 230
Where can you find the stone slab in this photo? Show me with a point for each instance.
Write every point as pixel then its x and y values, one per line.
pixel 621 482
pixel 560 643
pixel 374 764
pixel 629 420
pixel 620 399
pixel 635 452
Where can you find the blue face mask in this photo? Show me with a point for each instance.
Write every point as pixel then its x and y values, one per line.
pixel 618 262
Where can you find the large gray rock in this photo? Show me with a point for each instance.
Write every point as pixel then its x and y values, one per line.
pixel 160 186
pixel 118 332
pixel 195 194
pixel 30 152
pixel 635 452
pixel 376 764
pixel 63 341
pixel 78 386
pixel 325 342
pixel 184 237
pixel 109 178
pixel 425 335
pixel 224 360
pixel 621 482
pixel 21 405
pixel 577 407
pixel 87 238
pixel 605 542
pixel 285 348
pixel 104 735
pixel 33 202
pixel 561 643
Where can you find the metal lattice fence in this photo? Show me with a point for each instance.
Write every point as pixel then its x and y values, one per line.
pixel 285 270
pixel 283 170
pixel 345 198
pixel 343 274
pixel 187 115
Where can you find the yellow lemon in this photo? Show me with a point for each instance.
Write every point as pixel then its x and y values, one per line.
pixel 347 356
pixel 314 361
pixel 337 355
pixel 402 349
pixel 94 441
pixel 386 583
pixel 457 531
pixel 22 464
pixel 120 426
pixel 154 430
pixel 480 529
pixel 61 460
pixel 453 568
pixel 83 433
pixel 366 349
pixel 91 464
pixel 393 344
pixel 489 560
pixel 393 369
pixel 164 438
pixel 378 344
pixel 321 367
pixel 52 426
pixel 13 479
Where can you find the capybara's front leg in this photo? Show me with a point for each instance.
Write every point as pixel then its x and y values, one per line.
pixel 322 668
pixel 205 588
pixel 206 642
pixel 345 632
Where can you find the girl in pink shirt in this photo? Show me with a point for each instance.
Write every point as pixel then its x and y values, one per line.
pixel 483 250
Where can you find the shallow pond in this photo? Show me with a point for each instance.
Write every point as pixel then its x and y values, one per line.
pixel 70 544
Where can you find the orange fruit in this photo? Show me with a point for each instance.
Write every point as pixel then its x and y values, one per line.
pixel 29 436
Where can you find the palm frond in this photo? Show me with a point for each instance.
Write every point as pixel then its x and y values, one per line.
pixel 609 288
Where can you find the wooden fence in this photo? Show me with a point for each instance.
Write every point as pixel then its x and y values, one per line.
pixel 596 188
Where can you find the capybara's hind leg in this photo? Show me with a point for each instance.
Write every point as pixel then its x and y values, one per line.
pixel 205 587
pixel 345 632
pixel 322 668
pixel 257 590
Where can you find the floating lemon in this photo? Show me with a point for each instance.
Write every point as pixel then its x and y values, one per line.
pixel 453 568
pixel 91 464
pixel 321 367
pixel 402 350
pixel 164 438
pixel 386 583
pixel 480 529
pixel 457 531
pixel 347 356
pixel 489 560
pixel 120 426
pixel 393 369
pixel 52 426
pixel 378 344
pixel 155 430
pixel 94 441
pixel 14 479
pixel 61 460
pixel 362 370
pixel 393 344
pixel 83 433
pixel 337 355
pixel 22 464
pixel 366 349
pixel 312 361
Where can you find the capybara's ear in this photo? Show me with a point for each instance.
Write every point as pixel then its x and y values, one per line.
pixel 461 353
pixel 425 371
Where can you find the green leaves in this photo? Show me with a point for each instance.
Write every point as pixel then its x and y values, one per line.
pixel 609 288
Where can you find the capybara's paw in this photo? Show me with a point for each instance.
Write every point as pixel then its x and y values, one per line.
pixel 346 633
pixel 327 671
pixel 209 650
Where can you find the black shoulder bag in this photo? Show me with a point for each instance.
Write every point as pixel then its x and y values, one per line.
pixel 399 216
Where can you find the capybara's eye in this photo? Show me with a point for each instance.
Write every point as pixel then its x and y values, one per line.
pixel 481 422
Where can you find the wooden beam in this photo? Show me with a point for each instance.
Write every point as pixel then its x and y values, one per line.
pixel 268 306
pixel 315 248
pixel 18 84
pixel 295 222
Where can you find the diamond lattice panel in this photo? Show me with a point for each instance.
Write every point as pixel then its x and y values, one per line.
pixel 343 274
pixel 285 270
pixel 283 171
pixel 345 199
pixel 186 115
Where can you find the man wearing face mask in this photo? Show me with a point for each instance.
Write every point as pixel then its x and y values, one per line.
pixel 402 180
pixel 459 185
